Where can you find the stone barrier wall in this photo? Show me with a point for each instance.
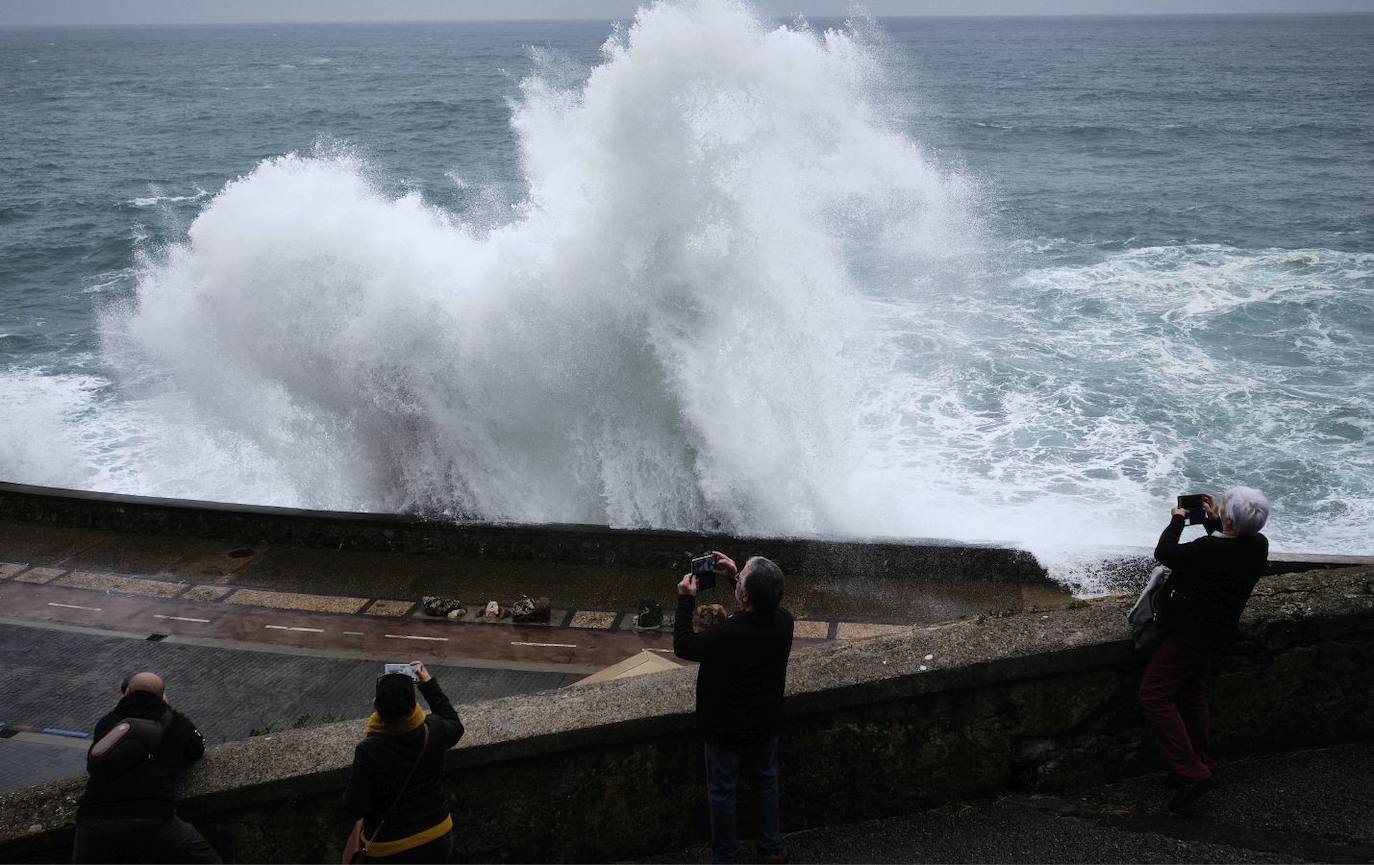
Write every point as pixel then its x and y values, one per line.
pixel 577 544
pixel 874 727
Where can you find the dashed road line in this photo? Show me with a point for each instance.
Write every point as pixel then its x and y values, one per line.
pixel 555 645
pixel 415 637
pixel 353 633
pixel 181 618
pixel 75 607
pixel 294 628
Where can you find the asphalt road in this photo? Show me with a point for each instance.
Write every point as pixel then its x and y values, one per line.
pixel 64 679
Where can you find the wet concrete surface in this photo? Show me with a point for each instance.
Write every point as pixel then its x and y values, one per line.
pixel 59 677
pixel 1308 806
pixel 862 595
pixel 583 650
pixel 255 635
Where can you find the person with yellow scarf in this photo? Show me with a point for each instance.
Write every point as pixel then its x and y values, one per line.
pixel 396 787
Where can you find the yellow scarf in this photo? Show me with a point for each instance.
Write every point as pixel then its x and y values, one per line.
pixel 417 716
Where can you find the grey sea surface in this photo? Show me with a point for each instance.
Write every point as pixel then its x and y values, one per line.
pixel 1008 278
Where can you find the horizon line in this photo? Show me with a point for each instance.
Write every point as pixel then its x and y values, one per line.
pixel 928 15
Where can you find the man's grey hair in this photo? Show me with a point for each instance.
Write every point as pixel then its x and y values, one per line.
pixel 1247 509
pixel 763 584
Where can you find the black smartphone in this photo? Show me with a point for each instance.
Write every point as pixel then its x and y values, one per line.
pixel 1193 505
pixel 704 569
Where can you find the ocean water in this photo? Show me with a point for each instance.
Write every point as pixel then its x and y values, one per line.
pixel 989 279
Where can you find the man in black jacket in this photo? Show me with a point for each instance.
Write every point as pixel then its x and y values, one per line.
pixel 743 668
pixel 130 815
pixel 1211 579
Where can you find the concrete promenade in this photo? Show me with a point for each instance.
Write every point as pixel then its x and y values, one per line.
pixel 1307 806
pixel 64 680
pixel 945 716
pixel 855 591
pixel 255 636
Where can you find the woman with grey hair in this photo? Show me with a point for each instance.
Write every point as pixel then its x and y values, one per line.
pixel 1211 579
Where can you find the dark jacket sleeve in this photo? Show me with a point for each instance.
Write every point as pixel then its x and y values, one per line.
pixel 195 742
pixel 105 725
pixel 446 721
pixel 1169 551
pixel 684 641
pixel 358 794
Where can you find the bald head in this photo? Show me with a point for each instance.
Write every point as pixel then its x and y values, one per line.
pixel 150 682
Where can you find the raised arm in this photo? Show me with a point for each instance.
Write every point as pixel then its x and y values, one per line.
pixel 448 724
pixel 685 642
pixel 1169 551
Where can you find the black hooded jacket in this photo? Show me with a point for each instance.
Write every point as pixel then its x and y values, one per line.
pixel 149 789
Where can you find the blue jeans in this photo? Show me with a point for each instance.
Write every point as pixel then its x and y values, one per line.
pixel 722 774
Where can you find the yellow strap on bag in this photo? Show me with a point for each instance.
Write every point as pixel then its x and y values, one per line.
pixel 400 845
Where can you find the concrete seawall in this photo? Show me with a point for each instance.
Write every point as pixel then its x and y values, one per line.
pixel 570 544
pixel 874 727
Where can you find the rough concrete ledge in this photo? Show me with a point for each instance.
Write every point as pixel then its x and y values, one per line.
pixel 1124 570
pixel 875 727
pixel 581 544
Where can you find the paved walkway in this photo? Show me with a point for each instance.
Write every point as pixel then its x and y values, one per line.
pixel 288 646
pixel 402 579
pixel 1310 806
pixel 62 681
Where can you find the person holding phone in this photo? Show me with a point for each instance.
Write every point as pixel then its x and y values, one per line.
pixel 396 789
pixel 740 678
pixel 1210 580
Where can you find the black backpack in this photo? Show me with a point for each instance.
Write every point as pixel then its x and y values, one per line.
pixel 132 742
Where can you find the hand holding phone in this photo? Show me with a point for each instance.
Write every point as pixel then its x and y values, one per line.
pixel 1195 505
pixel 704 569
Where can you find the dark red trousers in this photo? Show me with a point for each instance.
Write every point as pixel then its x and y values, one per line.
pixel 1173 698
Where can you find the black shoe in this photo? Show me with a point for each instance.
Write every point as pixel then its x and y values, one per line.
pixel 1189 794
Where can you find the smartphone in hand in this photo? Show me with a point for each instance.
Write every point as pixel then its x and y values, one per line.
pixel 1193 504
pixel 704 569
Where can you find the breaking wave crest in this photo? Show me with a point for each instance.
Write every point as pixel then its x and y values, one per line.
pixel 669 332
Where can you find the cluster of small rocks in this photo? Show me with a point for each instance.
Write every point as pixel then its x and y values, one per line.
pixel 447 607
pixel 525 609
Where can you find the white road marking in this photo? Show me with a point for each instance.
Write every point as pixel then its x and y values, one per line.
pixel 353 633
pixel 665 651
pixel 415 637
pixel 288 628
pixel 555 645
pixel 75 607
pixel 181 618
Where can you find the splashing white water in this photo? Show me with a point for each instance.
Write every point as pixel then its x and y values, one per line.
pixel 669 334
